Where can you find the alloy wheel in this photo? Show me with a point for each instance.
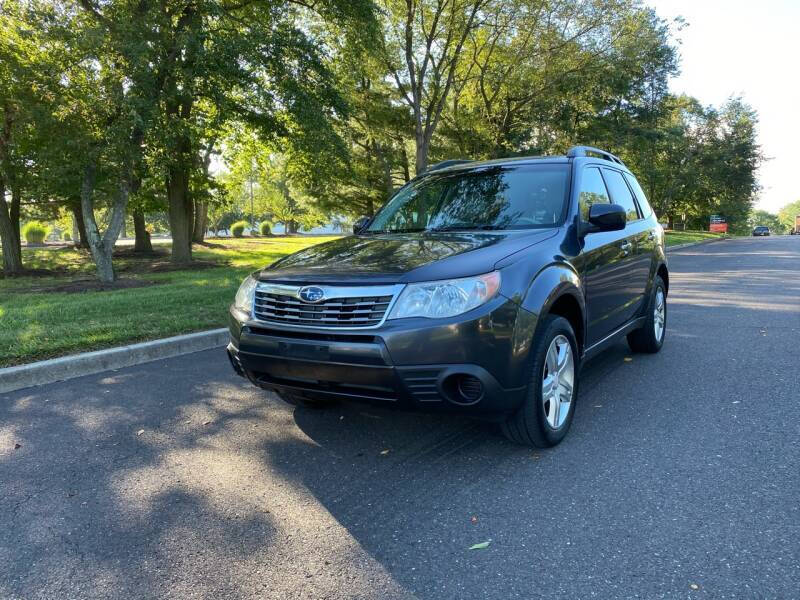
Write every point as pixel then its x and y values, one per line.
pixel 659 314
pixel 558 381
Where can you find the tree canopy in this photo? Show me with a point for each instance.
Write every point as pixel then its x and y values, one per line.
pixel 197 113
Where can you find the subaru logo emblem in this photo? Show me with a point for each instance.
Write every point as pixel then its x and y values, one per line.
pixel 311 294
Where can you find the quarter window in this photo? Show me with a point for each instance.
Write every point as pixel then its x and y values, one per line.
pixel 621 194
pixel 593 191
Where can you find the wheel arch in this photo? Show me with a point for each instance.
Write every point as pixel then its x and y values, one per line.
pixel 663 272
pixel 557 289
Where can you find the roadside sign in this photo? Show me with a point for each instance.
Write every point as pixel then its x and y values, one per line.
pixel 718 224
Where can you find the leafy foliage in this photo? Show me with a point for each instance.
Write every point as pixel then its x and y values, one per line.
pixel 34 232
pixel 237 229
pixel 198 114
pixel 788 214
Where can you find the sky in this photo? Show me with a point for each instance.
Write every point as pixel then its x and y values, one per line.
pixel 749 49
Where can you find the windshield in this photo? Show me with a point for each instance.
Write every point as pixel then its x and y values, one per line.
pixel 525 197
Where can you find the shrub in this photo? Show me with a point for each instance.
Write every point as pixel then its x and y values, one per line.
pixel 34 232
pixel 237 229
pixel 264 228
pixel 66 236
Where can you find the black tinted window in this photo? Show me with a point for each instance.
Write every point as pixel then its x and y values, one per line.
pixel 593 191
pixel 644 205
pixel 620 194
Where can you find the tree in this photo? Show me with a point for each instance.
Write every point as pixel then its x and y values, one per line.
pixel 423 48
pixel 788 214
pixel 262 184
pixel 377 136
pixel 18 58
pixel 216 61
pixel 100 125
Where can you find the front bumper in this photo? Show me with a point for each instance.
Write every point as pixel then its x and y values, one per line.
pixel 413 364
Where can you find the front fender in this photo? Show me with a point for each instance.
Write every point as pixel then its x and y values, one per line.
pixel 550 284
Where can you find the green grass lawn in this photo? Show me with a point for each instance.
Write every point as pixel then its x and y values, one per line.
pixel 51 314
pixel 674 238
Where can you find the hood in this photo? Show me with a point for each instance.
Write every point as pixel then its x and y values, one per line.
pixel 402 258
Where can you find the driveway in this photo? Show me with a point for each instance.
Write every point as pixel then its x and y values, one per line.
pixel 680 477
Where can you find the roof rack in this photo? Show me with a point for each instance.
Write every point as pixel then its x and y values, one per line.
pixel 586 150
pixel 447 163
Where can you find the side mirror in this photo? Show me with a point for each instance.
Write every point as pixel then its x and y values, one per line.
pixel 606 217
pixel 360 224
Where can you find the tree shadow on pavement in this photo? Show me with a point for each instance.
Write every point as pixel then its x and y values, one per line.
pixel 179 478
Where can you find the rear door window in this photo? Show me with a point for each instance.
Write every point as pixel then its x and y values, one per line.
pixel 621 194
pixel 644 205
pixel 593 191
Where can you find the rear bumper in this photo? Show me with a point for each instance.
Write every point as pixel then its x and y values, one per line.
pixel 411 366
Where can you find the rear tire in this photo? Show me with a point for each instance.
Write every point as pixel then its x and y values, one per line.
pixel 541 421
pixel 650 337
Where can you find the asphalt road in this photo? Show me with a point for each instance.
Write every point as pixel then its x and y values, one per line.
pixel 680 477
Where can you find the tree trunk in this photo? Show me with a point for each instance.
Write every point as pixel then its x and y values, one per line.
pixel 406 168
pixel 9 215
pixel 201 207
pixel 81 241
pixel 386 167
pixel 102 247
pixel 200 221
pixel 181 221
pixel 9 232
pixel 142 242
pixel 422 153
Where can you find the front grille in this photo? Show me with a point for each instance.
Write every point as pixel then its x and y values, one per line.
pixel 361 311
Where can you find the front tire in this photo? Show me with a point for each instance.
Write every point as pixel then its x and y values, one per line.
pixel 545 417
pixel 650 337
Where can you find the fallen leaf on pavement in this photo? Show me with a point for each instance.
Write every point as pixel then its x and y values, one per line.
pixel 384 452
pixel 694 586
pixel 481 546
pixel 628 359
pixel 17 446
pixel 140 432
pixel 206 422
pixel 473 520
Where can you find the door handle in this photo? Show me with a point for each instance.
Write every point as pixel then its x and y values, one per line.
pixel 626 247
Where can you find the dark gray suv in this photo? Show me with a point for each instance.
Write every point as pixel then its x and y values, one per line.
pixel 480 287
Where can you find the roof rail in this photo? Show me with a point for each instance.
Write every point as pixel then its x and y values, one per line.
pixel 447 163
pixel 586 150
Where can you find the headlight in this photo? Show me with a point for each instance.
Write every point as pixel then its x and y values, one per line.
pixel 244 297
pixel 439 299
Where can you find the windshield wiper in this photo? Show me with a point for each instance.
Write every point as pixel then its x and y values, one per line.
pixel 465 227
pixel 407 230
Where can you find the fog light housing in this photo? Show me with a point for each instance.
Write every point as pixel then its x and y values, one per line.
pixel 470 388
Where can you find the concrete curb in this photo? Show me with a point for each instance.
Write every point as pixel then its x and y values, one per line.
pixel 690 244
pixel 89 363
